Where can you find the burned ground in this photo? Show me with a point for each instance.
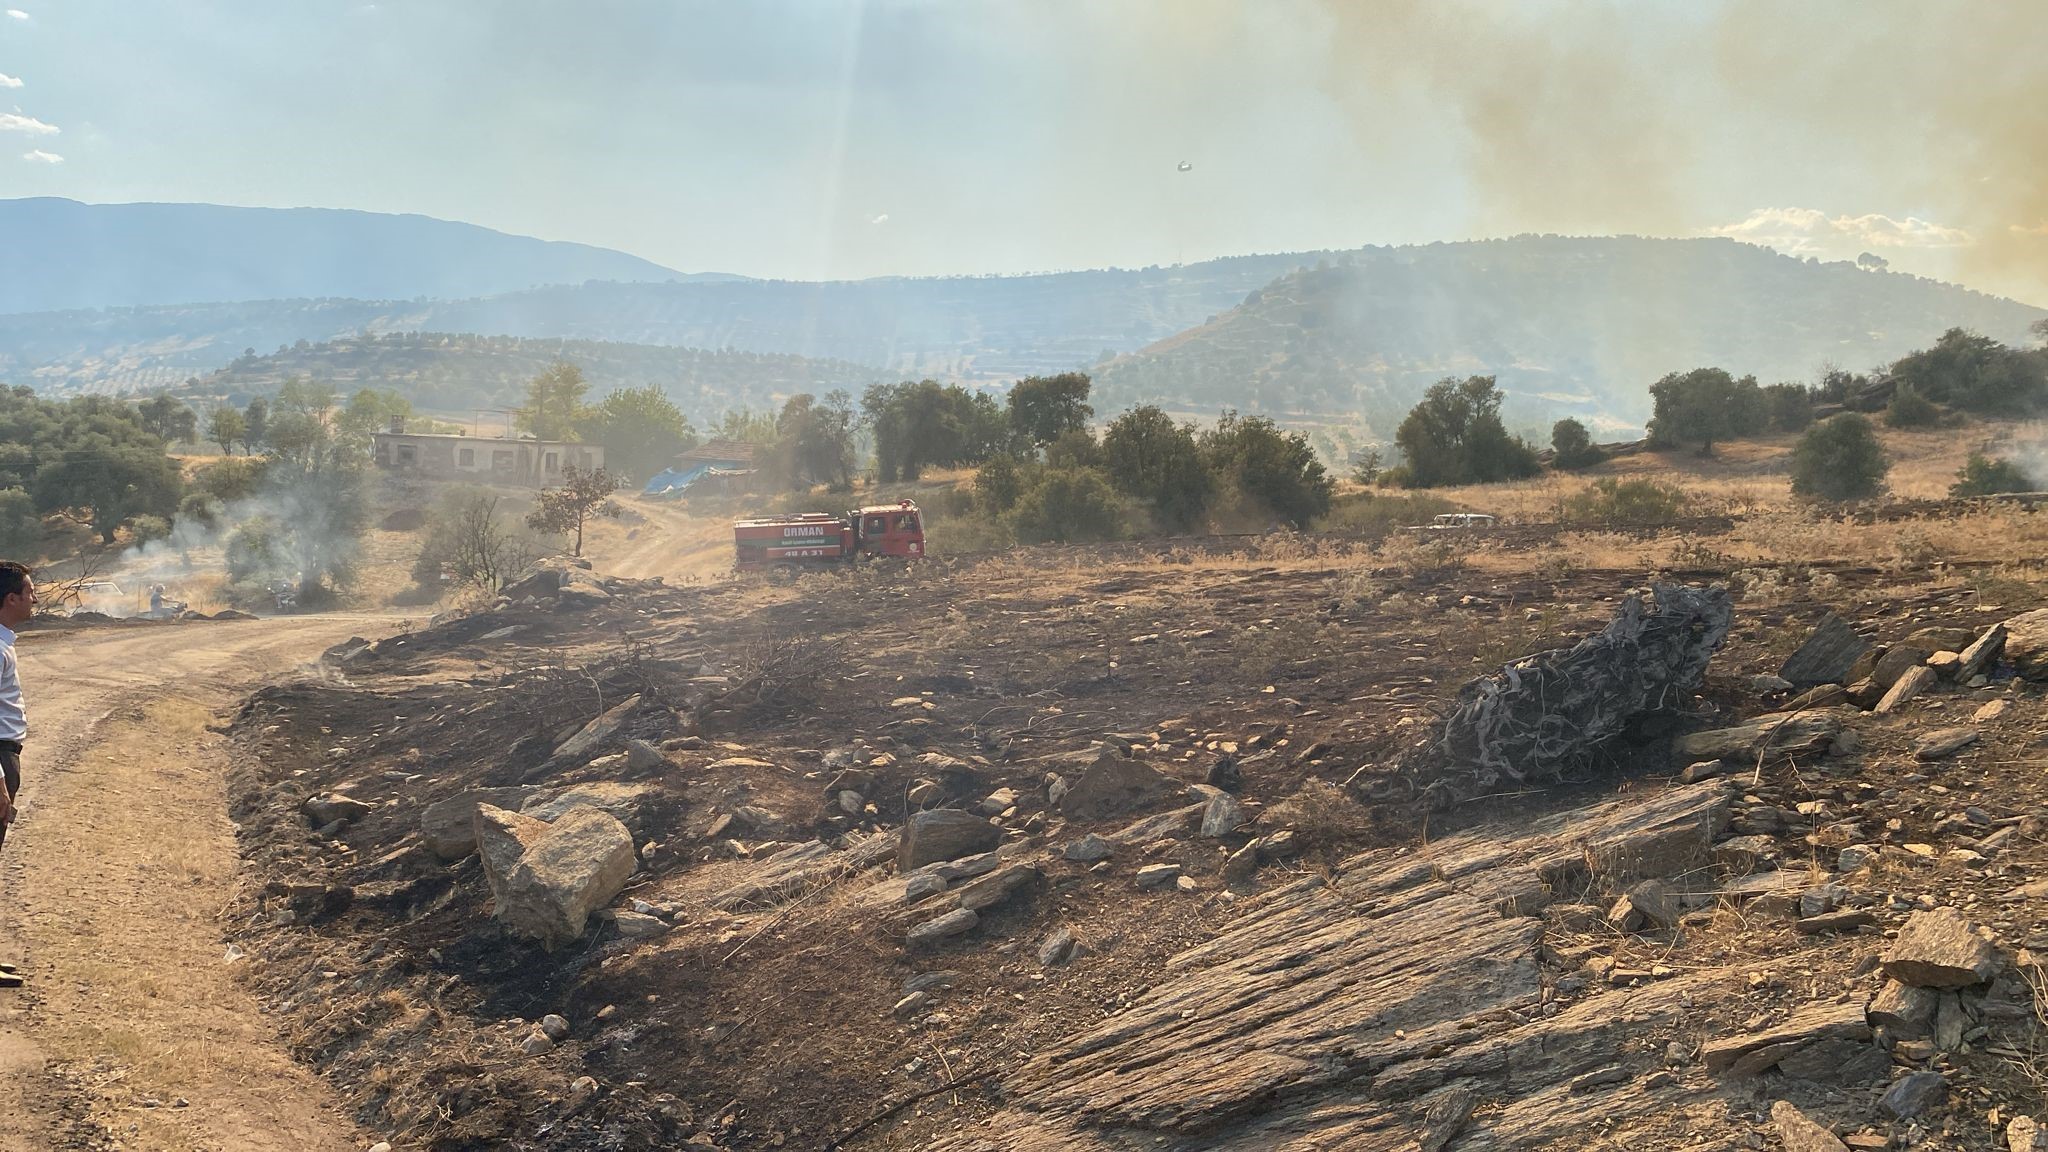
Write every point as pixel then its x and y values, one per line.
pixel 764 1018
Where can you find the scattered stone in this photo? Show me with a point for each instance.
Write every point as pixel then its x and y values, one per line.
pixel 921 885
pixel 910 1005
pixel 334 808
pixel 1221 816
pixel 1846 920
pixel 1599 1078
pixel 1224 774
pixel 1242 866
pixel 581 1089
pixel 1057 948
pixel 852 803
pixel 1769 685
pixel 1828 654
pixel 951 924
pixel 1741 854
pixel 1158 875
pixel 1912 1094
pixel 1279 845
pixel 1943 742
pixel 1818 697
pixel 639 926
pixel 449 826
pixel 556 1027
pixel 1800 1134
pixel 1909 686
pixel 1104 783
pixel 2023 1135
pixel 1855 858
pixel 1983 652
pixel 928 981
pixel 925 793
pixel 1898 660
pixel 1088 849
pixel 1445 1114
pixel 1992 710
pixel 642 756
pixel 998 802
pixel 996 887
pixel 944 834
pixel 1821 1022
pixel 1820 898
pixel 1940 949
pixel 627 803
pixel 1704 770
pixel 576 748
pixel 1840 1062
pixel 1650 903
pixel 536 1044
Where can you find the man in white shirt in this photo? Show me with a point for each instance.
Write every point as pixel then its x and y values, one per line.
pixel 17 603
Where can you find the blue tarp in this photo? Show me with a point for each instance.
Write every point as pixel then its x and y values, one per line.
pixel 673 481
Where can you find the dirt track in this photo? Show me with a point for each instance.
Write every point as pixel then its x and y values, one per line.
pixel 132 1027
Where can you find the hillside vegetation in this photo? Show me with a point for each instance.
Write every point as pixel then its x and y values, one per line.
pixel 63 254
pixel 1566 325
pixel 452 371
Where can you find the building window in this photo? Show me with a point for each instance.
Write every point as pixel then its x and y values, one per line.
pixel 548 462
pixel 408 456
pixel 465 457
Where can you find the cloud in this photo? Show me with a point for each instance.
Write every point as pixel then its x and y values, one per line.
pixel 1811 232
pixel 38 156
pixel 7 81
pixel 12 122
pixel 17 13
pixel 882 219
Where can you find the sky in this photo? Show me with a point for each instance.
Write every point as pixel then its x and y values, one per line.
pixel 848 138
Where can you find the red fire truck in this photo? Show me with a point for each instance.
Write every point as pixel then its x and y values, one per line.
pixel 818 539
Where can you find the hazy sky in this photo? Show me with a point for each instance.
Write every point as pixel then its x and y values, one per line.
pixel 829 138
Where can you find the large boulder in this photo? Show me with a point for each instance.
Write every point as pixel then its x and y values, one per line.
pixel 334 807
pixel 944 834
pixel 1830 651
pixel 502 838
pixel 449 825
pixel 568 869
pixel 2026 643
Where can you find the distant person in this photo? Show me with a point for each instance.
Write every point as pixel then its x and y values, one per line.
pixel 156 598
pixel 17 603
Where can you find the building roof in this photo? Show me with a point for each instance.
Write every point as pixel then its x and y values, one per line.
pixel 494 440
pixel 720 451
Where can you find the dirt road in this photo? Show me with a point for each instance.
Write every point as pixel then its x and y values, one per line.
pixel 133 1031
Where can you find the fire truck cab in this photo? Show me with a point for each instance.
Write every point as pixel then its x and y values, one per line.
pixel 816 539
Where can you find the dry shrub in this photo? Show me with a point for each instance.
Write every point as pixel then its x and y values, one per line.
pixel 1328 820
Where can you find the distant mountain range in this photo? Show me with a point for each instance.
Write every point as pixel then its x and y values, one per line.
pixel 449 372
pixel 1570 326
pixel 62 254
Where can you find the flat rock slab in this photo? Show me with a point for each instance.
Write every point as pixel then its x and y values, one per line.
pixel 1774 734
pixel 944 834
pixel 1830 651
pixel 1821 1022
pixel 1943 742
pixel 1800 1133
pixel 1908 688
pixel 1940 949
pixel 2026 643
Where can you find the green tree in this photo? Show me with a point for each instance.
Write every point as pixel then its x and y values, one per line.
pixel 227 427
pixel 1277 469
pixel 998 484
pixel 1839 459
pixel 814 441
pixel 1704 406
pixel 1985 476
pixel 169 419
pixel 1455 436
pixel 1909 409
pixel 313 478
pixel 109 485
pixel 230 481
pixel 1790 407
pixel 1150 457
pixel 582 495
pixel 923 424
pixel 256 425
pixel 641 429
pixel 1068 505
pixel 303 397
pixel 554 402
pixel 1572 446
pixel 21 530
pixel 1367 466
pixel 1044 408
pixel 369 411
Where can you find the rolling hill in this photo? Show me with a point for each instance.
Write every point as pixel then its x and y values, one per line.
pixel 1569 325
pixel 449 372
pixel 62 254
pixel 981 327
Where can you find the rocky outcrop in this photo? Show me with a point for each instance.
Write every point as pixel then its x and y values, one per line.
pixel 1108 783
pixel 1357 1012
pixel 562 872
